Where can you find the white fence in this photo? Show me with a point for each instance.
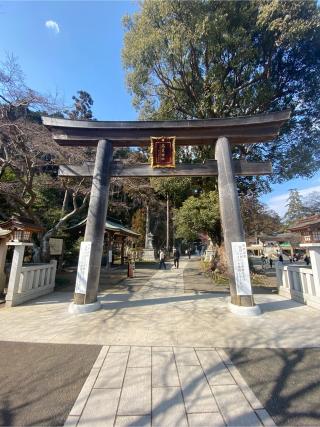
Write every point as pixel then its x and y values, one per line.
pixel 30 281
pixel 298 284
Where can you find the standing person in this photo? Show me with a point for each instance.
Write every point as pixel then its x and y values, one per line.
pixel 189 253
pixel 176 257
pixel 162 260
pixel 270 262
pixel 307 260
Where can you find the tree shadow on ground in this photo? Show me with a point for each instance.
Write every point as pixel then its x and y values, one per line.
pixel 286 381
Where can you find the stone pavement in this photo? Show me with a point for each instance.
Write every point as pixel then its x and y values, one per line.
pixel 165 386
pixel 161 313
pixel 162 357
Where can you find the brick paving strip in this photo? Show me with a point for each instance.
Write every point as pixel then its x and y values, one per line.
pixel 166 386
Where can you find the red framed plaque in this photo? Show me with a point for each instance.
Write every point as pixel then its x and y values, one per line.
pixel 163 152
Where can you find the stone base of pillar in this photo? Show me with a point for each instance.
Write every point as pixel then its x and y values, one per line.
pixel 242 310
pixel 148 255
pixel 84 308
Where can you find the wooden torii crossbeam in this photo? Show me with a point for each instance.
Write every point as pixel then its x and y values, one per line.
pixel 240 130
pixel 222 133
pixel 208 168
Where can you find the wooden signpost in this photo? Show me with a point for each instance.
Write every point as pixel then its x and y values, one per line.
pixel 222 133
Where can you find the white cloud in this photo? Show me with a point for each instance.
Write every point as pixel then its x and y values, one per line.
pixel 278 203
pixel 53 25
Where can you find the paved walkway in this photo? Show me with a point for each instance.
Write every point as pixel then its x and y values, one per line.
pixel 162 360
pixel 161 313
pixel 165 386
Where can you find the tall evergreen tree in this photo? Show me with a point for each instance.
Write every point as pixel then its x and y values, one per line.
pixel 82 106
pixel 295 208
pixel 213 59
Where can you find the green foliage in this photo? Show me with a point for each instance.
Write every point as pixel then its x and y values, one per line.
pixel 177 188
pixel 295 208
pixel 82 106
pixel 211 59
pixel 8 175
pixel 48 200
pixel 257 218
pixel 199 215
pixel 299 207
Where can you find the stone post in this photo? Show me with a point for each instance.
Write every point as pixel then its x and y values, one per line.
pixel 232 224
pixel 88 274
pixel 3 254
pixel 209 252
pixel 15 271
pixel 148 252
pixel 314 252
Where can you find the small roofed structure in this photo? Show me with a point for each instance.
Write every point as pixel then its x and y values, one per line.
pixel 21 228
pixel 15 229
pixel 119 230
pixel 309 228
pixel 117 235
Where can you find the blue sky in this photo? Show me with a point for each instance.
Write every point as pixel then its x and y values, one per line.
pixel 84 54
pixel 63 47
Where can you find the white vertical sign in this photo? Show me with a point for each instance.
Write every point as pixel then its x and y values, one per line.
pixel 241 268
pixel 83 267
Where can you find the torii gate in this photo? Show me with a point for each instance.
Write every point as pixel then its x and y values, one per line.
pixel 223 133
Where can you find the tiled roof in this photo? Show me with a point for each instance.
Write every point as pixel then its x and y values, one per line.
pixel 306 222
pixel 111 226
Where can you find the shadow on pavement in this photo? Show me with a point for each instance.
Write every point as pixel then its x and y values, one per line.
pixel 40 382
pixel 279 305
pixel 286 381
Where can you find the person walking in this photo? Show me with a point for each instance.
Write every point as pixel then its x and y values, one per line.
pixel 162 256
pixel 281 258
pixel 307 260
pixel 270 262
pixel 189 253
pixel 176 257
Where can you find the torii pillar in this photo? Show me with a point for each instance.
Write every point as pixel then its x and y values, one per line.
pixel 242 301
pixel 89 265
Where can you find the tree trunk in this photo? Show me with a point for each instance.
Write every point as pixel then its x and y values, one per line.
pixel 44 245
pixel 65 202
